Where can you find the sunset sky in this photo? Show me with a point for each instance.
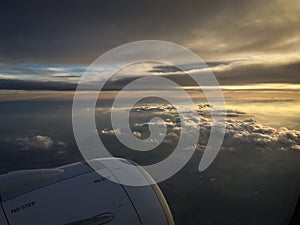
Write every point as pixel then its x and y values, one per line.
pixel 253 49
pixel 243 41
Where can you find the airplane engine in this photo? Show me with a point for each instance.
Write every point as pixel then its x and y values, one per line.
pixel 76 194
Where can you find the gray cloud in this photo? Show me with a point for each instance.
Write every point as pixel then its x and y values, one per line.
pixel 39 142
pixel 233 72
pixel 51 31
pixel 19 84
pixel 238 72
pixel 259 73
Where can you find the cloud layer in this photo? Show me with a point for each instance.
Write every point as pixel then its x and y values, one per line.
pixel 80 33
pixel 239 131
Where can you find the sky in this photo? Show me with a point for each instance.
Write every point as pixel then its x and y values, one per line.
pixel 253 49
pixel 242 41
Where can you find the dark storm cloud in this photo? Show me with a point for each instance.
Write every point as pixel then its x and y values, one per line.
pixel 79 31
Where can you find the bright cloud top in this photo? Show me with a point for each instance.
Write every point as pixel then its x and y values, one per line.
pixel 239 132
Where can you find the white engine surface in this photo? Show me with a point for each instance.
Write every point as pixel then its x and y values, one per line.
pixel 77 195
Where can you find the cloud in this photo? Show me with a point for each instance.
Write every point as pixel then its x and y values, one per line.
pixel 269 100
pixel 296 147
pixel 18 84
pixel 212 29
pixel 239 132
pixel 260 70
pixel 39 142
pixel 41 71
pixel 137 134
pixel 110 132
pixel 254 70
pixel 265 137
pixel 166 122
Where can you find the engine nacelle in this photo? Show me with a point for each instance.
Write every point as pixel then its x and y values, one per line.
pixel 76 194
